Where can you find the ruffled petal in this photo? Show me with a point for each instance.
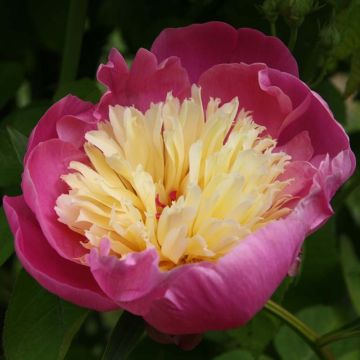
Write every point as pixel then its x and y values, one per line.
pixel 41 185
pixel 130 281
pixel 114 73
pixel 147 82
pixel 315 208
pixel 71 281
pixel 72 129
pixel 201 46
pixel 46 129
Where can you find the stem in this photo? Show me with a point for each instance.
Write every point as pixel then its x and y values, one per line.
pixel 273 28
pixel 319 79
pixel 309 335
pixel 74 33
pixel 349 330
pixel 328 339
pixel 293 37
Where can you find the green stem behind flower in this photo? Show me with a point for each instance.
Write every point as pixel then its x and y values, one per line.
pixel 74 33
pixel 293 37
pixel 347 331
pixel 309 335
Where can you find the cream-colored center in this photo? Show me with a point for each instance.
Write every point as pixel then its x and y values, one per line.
pixel 187 182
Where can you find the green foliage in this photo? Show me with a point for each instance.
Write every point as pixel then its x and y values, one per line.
pixel 124 337
pixel 291 347
pixel 19 143
pixel 349 45
pixel 85 89
pixel 6 241
pixel 234 355
pixel 351 269
pixel 39 325
pixel 11 77
pixel 10 165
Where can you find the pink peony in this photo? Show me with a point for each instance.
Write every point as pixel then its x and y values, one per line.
pixel 185 194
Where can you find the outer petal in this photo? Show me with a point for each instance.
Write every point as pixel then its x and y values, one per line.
pixel 113 74
pixel 128 280
pixel 64 278
pixel 72 129
pixel 202 46
pixel 226 294
pixel 268 104
pixel 310 114
pixel 46 129
pixel 315 208
pixel 41 187
pixel 146 82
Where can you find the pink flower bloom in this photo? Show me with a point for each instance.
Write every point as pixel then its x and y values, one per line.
pixel 163 201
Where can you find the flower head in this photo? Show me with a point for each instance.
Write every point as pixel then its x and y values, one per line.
pixel 185 194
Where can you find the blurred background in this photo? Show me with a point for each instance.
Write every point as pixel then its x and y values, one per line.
pixel 323 35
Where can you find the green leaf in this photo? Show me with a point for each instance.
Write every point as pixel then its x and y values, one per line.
pixel 6 239
pixel 334 98
pixel 353 355
pixel 351 270
pixel 235 355
pixel 124 337
pixel 353 81
pixel 25 119
pixel 321 270
pixel 49 22
pixel 346 332
pixel 85 88
pixel 257 334
pixel 19 143
pixel 348 25
pixel 10 166
pixel 39 325
pixel 287 343
pixel 11 77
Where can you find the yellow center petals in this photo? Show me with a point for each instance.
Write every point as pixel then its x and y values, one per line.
pixel 190 183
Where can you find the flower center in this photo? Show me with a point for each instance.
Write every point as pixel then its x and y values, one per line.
pixel 189 183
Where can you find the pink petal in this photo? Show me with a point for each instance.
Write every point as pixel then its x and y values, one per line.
pixel 268 103
pixel 315 208
pixel 226 294
pixel 311 115
pixel 71 281
pixel 201 46
pixel 128 281
pixel 114 73
pixel 299 147
pixel 302 174
pixel 72 129
pixel 41 185
pixel 46 128
pixel 147 82
pixel 254 46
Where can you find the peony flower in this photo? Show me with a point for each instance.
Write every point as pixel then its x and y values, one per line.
pixel 185 194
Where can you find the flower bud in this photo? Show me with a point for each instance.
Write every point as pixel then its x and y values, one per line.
pixel 270 9
pixel 294 11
